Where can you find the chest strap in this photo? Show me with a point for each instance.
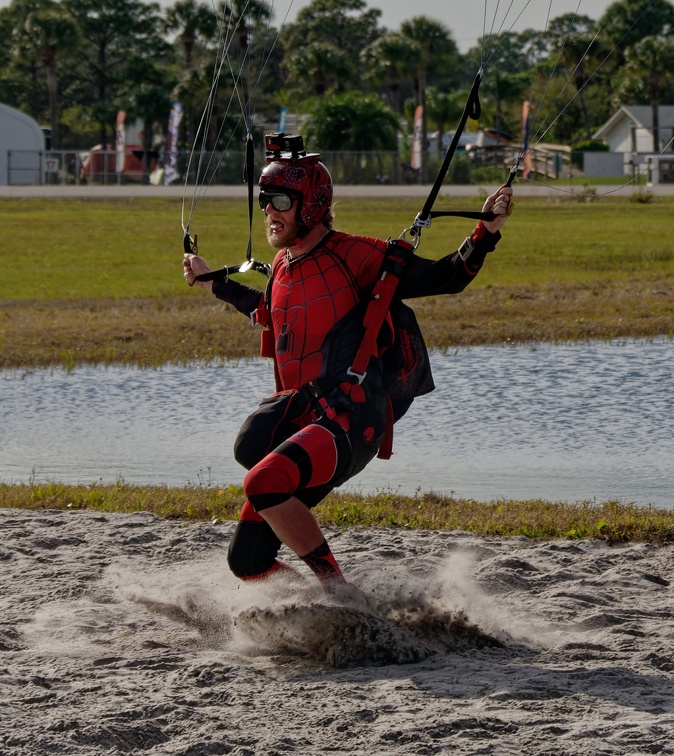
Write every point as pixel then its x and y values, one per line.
pixel 398 254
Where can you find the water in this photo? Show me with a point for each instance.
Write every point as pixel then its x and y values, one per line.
pixel 558 422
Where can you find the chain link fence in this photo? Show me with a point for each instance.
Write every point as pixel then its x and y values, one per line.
pixel 106 167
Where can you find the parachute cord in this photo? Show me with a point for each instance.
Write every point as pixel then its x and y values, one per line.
pixel 539 137
pixel 543 128
pixel 539 106
pixel 496 40
pixel 206 172
pixel 472 110
pixel 526 125
pixel 204 127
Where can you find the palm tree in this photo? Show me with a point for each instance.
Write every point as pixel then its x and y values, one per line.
pixel 356 123
pixel 443 110
pixel 192 20
pixel 346 26
pixel 572 43
pixel 149 100
pixel 323 65
pixel 113 31
pixel 438 53
pixel 389 60
pixel 625 22
pixel 51 30
pixel 353 121
pixel 650 63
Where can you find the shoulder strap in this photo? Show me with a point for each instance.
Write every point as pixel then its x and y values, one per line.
pixel 398 254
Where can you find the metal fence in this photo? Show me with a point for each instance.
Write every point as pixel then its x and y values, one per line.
pixel 105 167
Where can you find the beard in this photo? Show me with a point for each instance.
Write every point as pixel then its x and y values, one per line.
pixel 280 235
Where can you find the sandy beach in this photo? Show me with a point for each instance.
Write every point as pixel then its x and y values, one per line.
pixel 125 633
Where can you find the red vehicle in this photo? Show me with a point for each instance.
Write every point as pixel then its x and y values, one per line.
pixel 100 164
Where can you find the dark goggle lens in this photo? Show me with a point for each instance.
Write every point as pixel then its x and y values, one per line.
pixel 280 202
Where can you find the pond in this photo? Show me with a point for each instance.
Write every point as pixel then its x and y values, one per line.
pixel 558 422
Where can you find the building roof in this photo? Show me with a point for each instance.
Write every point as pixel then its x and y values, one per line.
pixel 640 115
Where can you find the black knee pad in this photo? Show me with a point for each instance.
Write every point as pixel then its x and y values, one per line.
pixel 253 549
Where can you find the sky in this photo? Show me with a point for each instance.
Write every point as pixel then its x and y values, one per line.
pixel 464 18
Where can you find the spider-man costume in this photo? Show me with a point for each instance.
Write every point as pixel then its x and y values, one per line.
pixel 290 446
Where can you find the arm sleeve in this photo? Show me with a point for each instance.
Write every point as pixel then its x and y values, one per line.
pixel 450 274
pixel 243 298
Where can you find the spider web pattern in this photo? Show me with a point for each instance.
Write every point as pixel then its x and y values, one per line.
pixel 310 296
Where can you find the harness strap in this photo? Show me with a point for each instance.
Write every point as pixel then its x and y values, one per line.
pixel 472 109
pixel 386 446
pixel 398 253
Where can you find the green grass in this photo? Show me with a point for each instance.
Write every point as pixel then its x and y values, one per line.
pixel 100 282
pixel 609 521
pixel 78 249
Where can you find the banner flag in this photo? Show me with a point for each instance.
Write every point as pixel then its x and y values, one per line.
pixel 415 161
pixel 527 163
pixel 282 119
pixel 171 173
pixel 120 142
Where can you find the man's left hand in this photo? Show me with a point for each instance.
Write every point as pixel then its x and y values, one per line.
pixel 501 204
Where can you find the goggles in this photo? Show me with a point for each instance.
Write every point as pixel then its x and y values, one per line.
pixel 279 201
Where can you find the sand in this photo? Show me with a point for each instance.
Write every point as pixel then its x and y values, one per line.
pixel 125 633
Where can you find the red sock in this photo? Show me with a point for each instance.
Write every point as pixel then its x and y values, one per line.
pixel 323 564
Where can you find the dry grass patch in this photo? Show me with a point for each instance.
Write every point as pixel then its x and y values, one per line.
pixel 152 331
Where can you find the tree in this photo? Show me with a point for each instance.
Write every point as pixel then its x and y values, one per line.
pixel 21 80
pixel 649 68
pixel 443 110
pixel 344 25
pixel 322 65
pixel 506 77
pixel 625 22
pixel 390 59
pixel 573 44
pixel 192 20
pixel 148 99
pixel 438 52
pixel 115 31
pixel 51 31
pixel 353 121
pixel 245 17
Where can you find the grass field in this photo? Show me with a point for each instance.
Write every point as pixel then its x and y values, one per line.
pixel 100 282
pixel 75 249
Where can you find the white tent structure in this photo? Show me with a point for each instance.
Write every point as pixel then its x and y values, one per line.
pixel 22 148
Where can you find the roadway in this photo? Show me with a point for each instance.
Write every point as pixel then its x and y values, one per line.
pixel 126 191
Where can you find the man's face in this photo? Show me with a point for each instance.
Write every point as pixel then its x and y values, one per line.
pixel 281 226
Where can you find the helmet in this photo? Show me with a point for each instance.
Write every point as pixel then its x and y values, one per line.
pixel 302 176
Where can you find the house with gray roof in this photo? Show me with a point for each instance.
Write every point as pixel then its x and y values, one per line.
pixel 629 135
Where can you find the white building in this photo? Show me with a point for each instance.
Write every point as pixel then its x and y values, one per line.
pixel 629 135
pixel 22 147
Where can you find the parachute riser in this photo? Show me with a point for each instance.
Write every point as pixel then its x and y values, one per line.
pixel 473 110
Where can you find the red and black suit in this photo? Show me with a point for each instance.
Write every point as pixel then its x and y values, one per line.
pixel 289 446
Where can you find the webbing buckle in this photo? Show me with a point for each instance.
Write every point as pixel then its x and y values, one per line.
pixel 359 376
pixel 316 395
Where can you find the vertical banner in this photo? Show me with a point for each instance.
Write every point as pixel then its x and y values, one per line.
pixel 171 150
pixel 282 119
pixel 415 160
pixel 527 162
pixel 120 142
